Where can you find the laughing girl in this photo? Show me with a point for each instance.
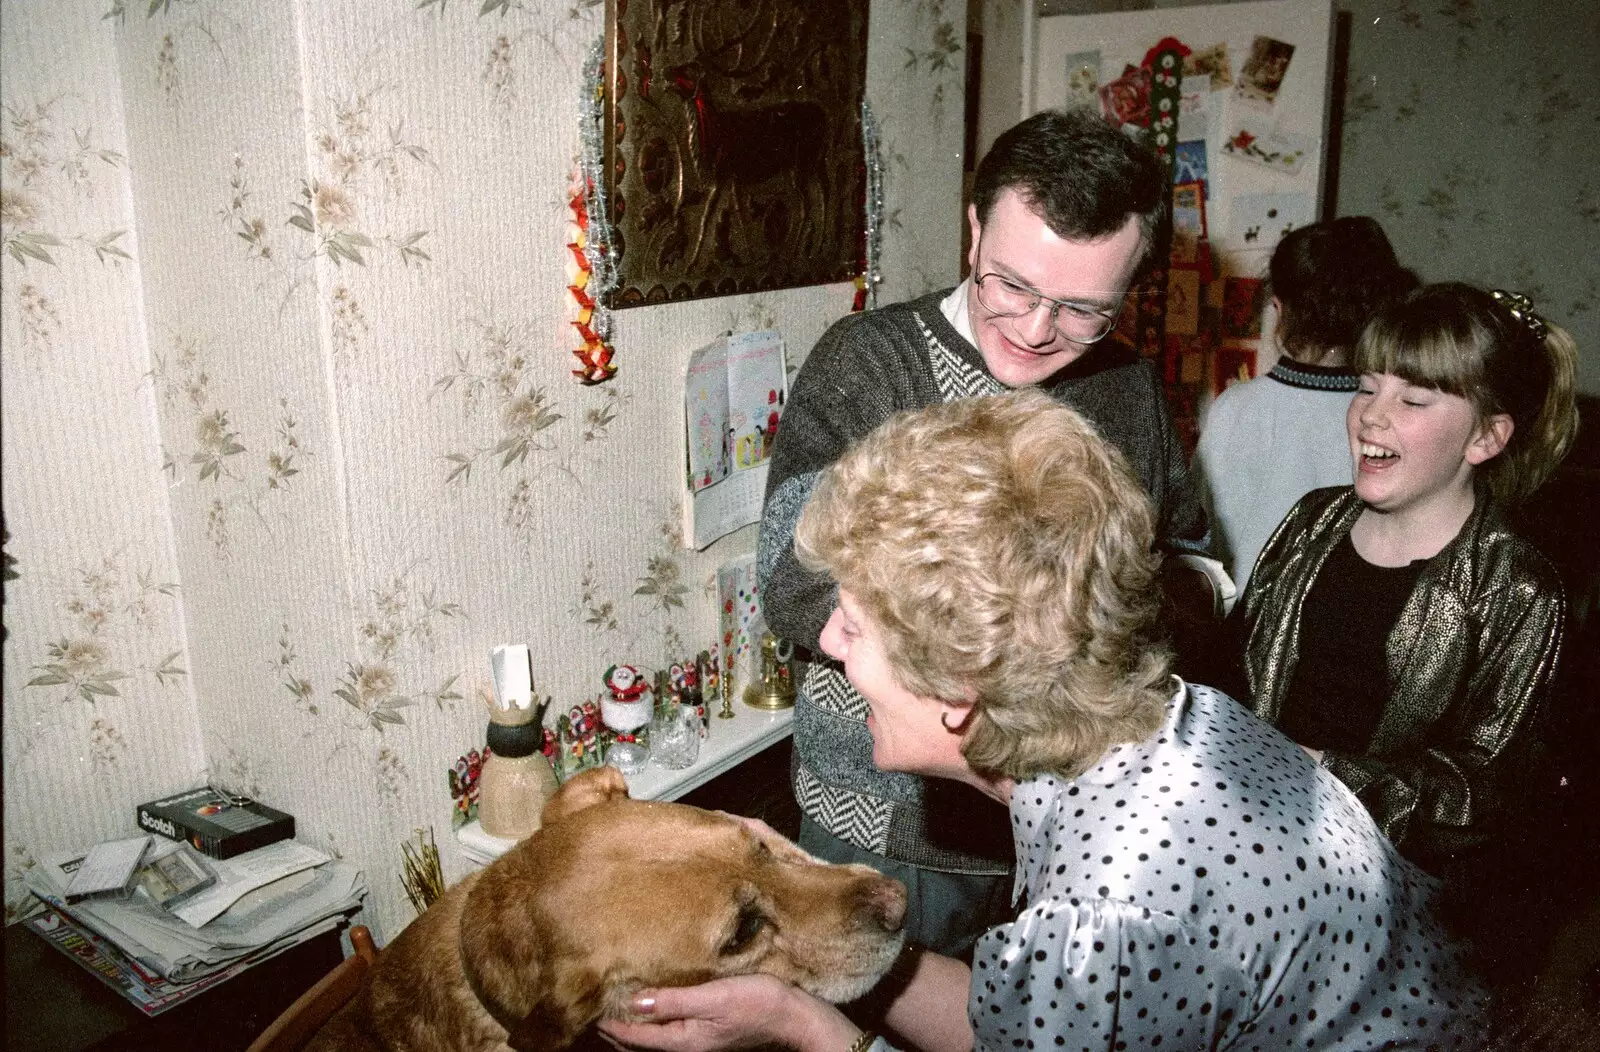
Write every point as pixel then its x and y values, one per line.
pixel 1397 629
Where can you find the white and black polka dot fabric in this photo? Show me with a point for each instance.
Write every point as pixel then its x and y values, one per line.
pixel 1213 888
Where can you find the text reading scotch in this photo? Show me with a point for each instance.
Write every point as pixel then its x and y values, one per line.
pixel 215 823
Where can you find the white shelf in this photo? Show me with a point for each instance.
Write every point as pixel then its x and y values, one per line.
pixel 731 742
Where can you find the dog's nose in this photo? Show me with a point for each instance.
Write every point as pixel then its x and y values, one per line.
pixel 883 904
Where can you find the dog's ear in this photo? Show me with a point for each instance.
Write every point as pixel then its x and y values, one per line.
pixel 560 1015
pixel 541 995
pixel 597 785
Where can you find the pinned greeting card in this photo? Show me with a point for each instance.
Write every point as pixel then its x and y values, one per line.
pixel 1260 221
pixel 1255 142
pixel 1083 79
pixel 1126 100
pixel 1183 301
pixel 1210 62
pixel 1263 72
pixel 1189 164
pixel 1241 308
pixel 1234 365
pixel 1188 222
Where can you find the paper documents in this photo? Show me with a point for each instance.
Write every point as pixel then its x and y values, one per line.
pixel 265 911
pixel 244 873
pixel 732 399
pixel 149 992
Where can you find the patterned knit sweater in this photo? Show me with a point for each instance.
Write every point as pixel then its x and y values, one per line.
pixel 863 370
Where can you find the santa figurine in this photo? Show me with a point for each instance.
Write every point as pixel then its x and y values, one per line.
pixel 692 696
pixel 625 683
pixel 628 708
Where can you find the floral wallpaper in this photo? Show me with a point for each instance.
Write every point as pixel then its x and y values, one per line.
pixel 290 435
pixel 96 687
pixel 1470 133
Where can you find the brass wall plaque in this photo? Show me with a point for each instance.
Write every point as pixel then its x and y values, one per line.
pixel 733 152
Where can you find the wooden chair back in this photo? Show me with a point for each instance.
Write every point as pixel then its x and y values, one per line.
pixel 294 1028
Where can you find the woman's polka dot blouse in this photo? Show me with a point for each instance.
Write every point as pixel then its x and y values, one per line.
pixel 1212 888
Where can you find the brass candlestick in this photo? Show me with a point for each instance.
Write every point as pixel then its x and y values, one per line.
pixel 703 663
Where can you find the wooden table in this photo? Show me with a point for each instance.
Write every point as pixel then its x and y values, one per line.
pixel 53 1005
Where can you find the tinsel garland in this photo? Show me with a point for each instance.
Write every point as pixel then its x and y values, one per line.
pixel 867 284
pixel 594 272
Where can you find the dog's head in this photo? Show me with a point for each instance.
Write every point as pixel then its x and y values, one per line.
pixel 613 895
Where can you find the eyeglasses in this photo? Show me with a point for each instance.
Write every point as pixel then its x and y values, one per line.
pixel 1078 322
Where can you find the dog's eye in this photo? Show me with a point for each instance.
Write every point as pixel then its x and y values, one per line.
pixel 750 925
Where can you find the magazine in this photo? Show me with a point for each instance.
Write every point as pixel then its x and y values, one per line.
pixel 150 993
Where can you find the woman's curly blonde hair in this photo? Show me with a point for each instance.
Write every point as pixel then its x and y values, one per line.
pixel 1003 552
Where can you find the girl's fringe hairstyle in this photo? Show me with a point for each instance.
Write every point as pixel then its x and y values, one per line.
pixel 1486 348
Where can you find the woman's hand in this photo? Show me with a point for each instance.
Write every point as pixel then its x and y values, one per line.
pixel 735 1013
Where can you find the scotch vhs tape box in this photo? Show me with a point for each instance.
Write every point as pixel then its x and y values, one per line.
pixel 215 823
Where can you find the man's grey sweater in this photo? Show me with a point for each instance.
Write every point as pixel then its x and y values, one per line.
pixel 863 370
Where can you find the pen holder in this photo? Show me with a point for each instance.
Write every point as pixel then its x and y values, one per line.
pixel 516 780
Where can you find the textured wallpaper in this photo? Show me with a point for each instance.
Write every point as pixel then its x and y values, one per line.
pixel 1472 133
pixel 290 437
pixel 98 706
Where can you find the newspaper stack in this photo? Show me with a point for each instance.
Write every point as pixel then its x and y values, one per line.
pixel 265 901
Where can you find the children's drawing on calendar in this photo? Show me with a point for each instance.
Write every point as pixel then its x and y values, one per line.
pixel 733 397
pixel 712 448
pixel 755 430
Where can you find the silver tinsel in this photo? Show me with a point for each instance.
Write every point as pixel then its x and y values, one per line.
pixel 874 161
pixel 591 168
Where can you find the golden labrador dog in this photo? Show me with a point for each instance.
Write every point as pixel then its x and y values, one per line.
pixel 610 896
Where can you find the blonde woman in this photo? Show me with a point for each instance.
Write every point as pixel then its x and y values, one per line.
pixel 1187 874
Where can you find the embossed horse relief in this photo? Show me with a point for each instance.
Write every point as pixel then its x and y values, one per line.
pixel 734 159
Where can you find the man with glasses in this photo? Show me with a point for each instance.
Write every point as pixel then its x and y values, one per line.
pixel 1064 211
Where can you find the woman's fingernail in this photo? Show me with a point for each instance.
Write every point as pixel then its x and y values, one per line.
pixel 644 1005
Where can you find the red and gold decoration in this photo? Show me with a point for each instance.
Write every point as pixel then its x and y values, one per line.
pixel 592 271
pixel 594 353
